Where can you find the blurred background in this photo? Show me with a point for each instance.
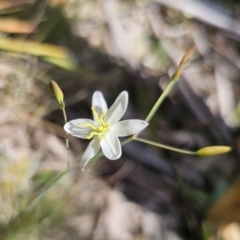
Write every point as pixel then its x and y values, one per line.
pixel 115 45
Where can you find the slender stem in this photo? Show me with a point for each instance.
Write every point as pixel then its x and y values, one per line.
pixel 159 102
pixel 66 136
pixel 64 114
pixel 174 79
pixel 127 141
pixel 43 193
pixel 169 87
pixel 164 146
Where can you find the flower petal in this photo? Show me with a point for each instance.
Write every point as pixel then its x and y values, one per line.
pixel 99 103
pixel 92 150
pixel 111 146
pixel 128 127
pixel 116 111
pixel 74 129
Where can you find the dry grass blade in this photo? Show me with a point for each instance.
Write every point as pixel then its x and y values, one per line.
pixel 64 63
pixel 11 25
pixel 33 48
pixel 13 3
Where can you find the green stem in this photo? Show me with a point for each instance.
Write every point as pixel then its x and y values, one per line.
pixel 64 114
pixel 164 146
pixel 159 102
pixel 66 137
pixel 127 141
pixel 43 193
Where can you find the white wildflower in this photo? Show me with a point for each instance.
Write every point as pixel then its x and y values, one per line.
pixel 106 128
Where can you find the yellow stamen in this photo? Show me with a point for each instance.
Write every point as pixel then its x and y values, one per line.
pixel 91 135
pixel 97 130
pixel 101 118
pixel 96 115
pixel 87 125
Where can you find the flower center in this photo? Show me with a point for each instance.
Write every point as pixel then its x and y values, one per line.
pixel 97 130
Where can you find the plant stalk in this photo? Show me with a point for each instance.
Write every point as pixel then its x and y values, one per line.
pixel 164 146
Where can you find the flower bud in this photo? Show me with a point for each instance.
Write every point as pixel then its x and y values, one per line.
pixel 184 60
pixel 213 150
pixel 57 92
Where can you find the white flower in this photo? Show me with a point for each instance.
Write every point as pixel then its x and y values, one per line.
pixel 106 128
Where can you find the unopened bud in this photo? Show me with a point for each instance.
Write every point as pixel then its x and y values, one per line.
pixel 57 92
pixel 184 60
pixel 213 150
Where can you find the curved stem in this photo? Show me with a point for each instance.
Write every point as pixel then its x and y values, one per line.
pixel 164 146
